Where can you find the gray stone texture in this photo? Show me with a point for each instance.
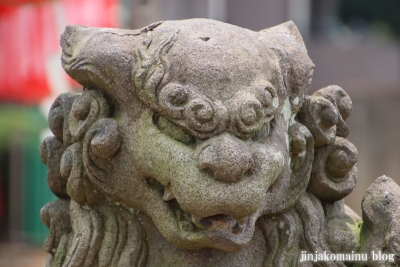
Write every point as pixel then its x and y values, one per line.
pixel 194 143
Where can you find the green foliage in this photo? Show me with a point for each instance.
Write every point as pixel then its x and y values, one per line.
pixel 20 123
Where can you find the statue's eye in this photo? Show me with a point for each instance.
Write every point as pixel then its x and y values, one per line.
pixel 172 130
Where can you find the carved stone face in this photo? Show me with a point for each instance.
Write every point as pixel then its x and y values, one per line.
pixel 205 120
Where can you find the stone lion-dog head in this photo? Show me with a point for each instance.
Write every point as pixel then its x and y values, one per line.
pixel 198 130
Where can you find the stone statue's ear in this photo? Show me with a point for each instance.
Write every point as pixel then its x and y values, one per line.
pixel 296 68
pixel 287 28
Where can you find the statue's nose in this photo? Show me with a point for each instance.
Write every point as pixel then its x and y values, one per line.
pixel 227 157
pixel 70 36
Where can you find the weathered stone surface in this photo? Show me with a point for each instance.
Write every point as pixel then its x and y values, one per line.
pixel 380 231
pixel 194 144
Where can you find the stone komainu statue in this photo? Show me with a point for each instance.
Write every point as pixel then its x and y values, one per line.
pixel 194 143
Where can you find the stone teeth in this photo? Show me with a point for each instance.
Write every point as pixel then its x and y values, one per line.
pixel 168 195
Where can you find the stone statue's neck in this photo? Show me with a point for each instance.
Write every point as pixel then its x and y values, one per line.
pixel 167 255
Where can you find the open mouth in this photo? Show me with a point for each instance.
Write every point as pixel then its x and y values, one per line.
pixel 219 222
pixel 223 231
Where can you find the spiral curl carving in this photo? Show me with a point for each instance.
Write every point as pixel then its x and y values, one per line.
pixel 71 118
pixel 334 172
pixel 58 117
pixel 51 150
pixel 79 186
pixel 204 115
pixel 250 112
pixel 55 215
pixel 269 99
pixel 342 102
pixel 78 158
pixel 320 117
pixel 250 118
pixel 173 98
pixel 86 110
pixel 101 143
pixel 324 114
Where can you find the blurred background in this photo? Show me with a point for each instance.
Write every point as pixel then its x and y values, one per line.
pixel 354 44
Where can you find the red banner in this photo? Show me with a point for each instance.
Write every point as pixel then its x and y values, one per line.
pixel 19 2
pixel 29 42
